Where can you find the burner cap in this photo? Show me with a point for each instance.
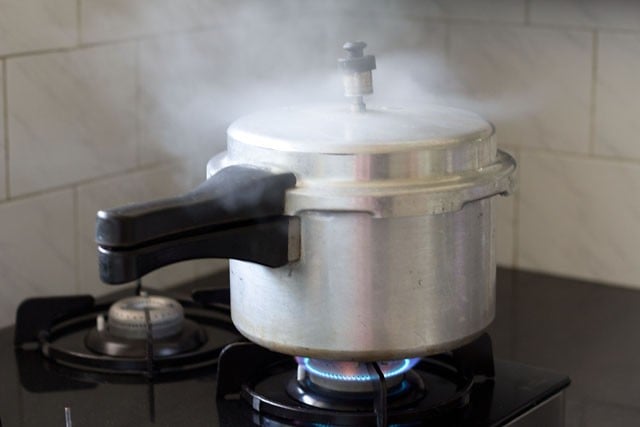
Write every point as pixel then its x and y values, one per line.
pixel 354 377
pixel 127 318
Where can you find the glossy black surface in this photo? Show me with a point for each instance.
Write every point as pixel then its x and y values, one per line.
pixel 36 393
pixel 583 329
pixel 269 381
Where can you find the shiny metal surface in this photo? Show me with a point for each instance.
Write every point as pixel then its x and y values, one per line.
pixel 335 129
pixel 373 288
pixel 389 162
pixel 127 317
pixel 396 230
pixel 356 74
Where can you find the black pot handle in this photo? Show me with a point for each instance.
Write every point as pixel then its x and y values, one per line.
pixel 237 213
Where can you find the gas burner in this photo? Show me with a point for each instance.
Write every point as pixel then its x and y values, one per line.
pixel 352 386
pixel 132 320
pixel 133 317
pixel 322 392
pixel 103 341
pixel 148 335
pixel 350 377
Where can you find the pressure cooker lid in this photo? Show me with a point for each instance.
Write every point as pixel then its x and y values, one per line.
pixel 388 161
pixel 336 129
pixel 446 139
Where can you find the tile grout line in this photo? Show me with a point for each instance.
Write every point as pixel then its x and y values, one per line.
pixel 527 12
pixel 447 42
pixel 199 29
pixel 76 233
pixel 203 28
pixel 137 102
pixel 65 49
pixel 109 42
pixel 516 215
pixel 594 94
pixel 521 24
pixel 79 21
pixel 583 156
pixel 567 155
pixel 5 119
pixel 88 181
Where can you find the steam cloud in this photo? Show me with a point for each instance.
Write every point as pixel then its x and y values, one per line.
pixel 273 54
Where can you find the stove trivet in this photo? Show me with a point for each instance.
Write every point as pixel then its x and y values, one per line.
pixel 63 330
pixel 352 377
pixel 269 383
pixel 190 338
pixel 407 388
pixel 351 386
pixel 132 319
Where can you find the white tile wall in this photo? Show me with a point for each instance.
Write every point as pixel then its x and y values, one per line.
pixel 580 217
pixel 27 25
pixel 162 181
pixel 121 19
pixel 492 10
pixel 533 83
pixel 98 96
pixel 618 14
pixel 3 170
pixel 71 116
pixel 36 249
pixel 193 86
pixel 183 108
pixel 505 214
pixel 618 95
pixel 204 267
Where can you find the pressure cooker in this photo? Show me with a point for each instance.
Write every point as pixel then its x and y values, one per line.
pixel 354 232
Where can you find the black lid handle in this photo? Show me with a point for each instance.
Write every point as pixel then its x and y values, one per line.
pixel 235 193
pixel 227 216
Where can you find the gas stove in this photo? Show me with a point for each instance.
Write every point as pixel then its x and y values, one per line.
pixel 162 360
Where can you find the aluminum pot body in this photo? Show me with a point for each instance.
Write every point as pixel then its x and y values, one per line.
pixel 394 254
pixel 370 288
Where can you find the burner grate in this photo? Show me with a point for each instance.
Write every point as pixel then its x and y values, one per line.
pixel 436 386
pixel 59 328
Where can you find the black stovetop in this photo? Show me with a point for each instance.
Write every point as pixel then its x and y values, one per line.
pixel 35 392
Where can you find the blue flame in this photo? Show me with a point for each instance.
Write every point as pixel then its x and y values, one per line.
pixel 357 371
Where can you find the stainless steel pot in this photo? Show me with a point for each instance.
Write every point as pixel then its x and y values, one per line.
pixel 356 233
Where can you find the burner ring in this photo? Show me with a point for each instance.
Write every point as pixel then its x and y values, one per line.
pixel 407 389
pixel 276 392
pixel 351 377
pixel 127 317
pixel 190 338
